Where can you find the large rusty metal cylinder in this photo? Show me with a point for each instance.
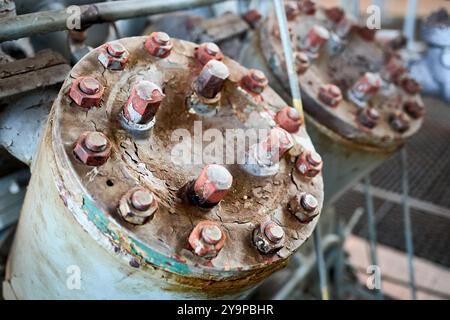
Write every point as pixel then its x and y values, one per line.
pixel 360 104
pixel 165 176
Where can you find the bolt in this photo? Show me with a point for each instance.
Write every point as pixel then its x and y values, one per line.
pixel 302 62
pixel 113 56
pixel 335 14
pixel 304 207
pixel 330 95
pixel 399 121
pixel 410 85
pixel 211 234
pixel 292 10
pixel 96 141
pixel 211 185
pixel 315 39
pixel 86 92
pixel 364 88
pixel 115 49
pixel 252 17
pixel 158 44
pixel 143 102
pixel 138 205
pixel 207 239
pixel 364 32
pixel 211 79
pixel 415 109
pixel 289 119
pixel 309 164
pixel 268 237
pixel 92 148
pixel 142 199
pixel 307 7
pixel 393 69
pixel 368 117
pixel 208 51
pixel 89 85
pixel 255 81
pixel 270 150
pixel 274 232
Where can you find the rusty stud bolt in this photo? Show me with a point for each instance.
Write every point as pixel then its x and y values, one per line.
pixel 399 121
pixel 368 117
pixel 364 89
pixel 302 62
pixel 292 10
pixel 393 69
pixel 86 92
pixel 309 164
pixel 207 239
pixel 143 102
pixel 307 7
pixel 272 149
pixel 113 56
pixel 315 39
pixel 414 109
pixel 289 119
pixel 330 95
pixel 255 81
pixel 211 79
pixel 304 207
pixel 92 148
pixel 138 205
pixel 410 85
pixel 158 44
pixel 208 51
pixel 268 237
pixel 211 186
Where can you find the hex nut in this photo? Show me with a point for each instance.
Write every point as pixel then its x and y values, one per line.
pixel 92 94
pixel 304 207
pixel 289 119
pixel 255 81
pixel 268 237
pixel 208 51
pixel 211 186
pixel 113 56
pixel 309 164
pixel 330 95
pixel 158 44
pixel 138 206
pixel 207 239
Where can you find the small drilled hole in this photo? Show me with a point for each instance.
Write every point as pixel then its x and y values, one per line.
pixel 109 183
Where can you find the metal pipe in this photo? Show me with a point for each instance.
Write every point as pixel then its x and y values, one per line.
pixel 49 21
pixel 407 224
pixel 289 56
pixel 320 264
pixel 371 228
pixel 409 24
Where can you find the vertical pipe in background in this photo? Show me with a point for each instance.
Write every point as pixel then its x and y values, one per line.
pixel 371 228
pixel 409 25
pixel 320 263
pixel 407 223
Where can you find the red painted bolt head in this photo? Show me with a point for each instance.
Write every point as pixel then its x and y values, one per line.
pixel 368 117
pixel 330 95
pixel 309 164
pixel 289 119
pixel 212 184
pixel 304 207
pixel 393 69
pixel 399 121
pixel 274 146
pixel 307 7
pixel 302 62
pixel 208 51
pixel 292 10
pixel 207 239
pixel 410 85
pixel 365 33
pixel 274 232
pixel 255 81
pixel 92 148
pixel 366 86
pixel 316 38
pixel 86 92
pixel 158 44
pixel 415 109
pixel 143 102
pixel 113 56
pixel 268 237
pixel 211 79
pixel 138 206
pixel 335 14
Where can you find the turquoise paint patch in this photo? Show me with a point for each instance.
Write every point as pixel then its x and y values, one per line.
pixel 101 221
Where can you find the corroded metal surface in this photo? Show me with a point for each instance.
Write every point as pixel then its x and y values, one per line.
pixel 357 56
pixel 160 248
